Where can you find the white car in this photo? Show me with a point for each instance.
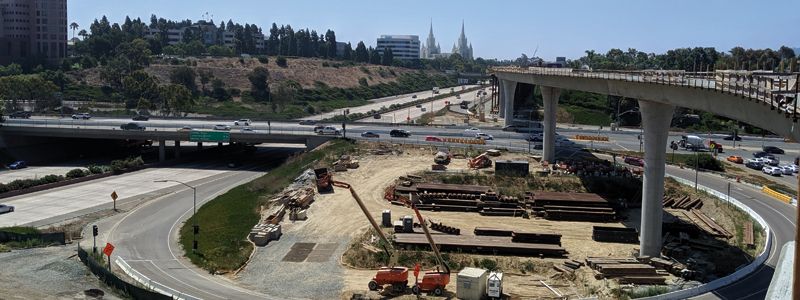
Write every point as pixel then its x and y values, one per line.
pixel 222 127
pixel 769 161
pixel 242 122
pixel 484 136
pixel 6 208
pixel 471 131
pixel 81 116
pixel 788 169
pixel 248 130
pixel 329 130
pixel 774 171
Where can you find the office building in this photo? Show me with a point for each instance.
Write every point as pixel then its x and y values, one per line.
pixel 33 29
pixel 403 46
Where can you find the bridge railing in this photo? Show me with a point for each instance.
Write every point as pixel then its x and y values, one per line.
pixel 778 90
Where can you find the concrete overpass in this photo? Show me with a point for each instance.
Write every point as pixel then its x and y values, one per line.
pixel 102 131
pixel 763 99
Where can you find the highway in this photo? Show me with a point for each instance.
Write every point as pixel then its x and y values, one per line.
pixel 413 113
pixel 158 259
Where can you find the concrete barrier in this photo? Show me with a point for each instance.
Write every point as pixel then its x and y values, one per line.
pixel 735 276
pixel 775 194
pixel 150 284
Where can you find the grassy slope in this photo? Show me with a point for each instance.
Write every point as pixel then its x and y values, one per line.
pixel 226 220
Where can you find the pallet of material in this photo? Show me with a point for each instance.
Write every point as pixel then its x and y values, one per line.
pixel 540 199
pixel 480 244
pixel 615 234
pixel 536 238
pixel 456 202
pixel 436 207
pixel 748 235
pixel 581 208
pixel 451 188
pixel 488 231
pixel 616 270
pixel 594 262
pixel 716 229
pixel 570 215
pixel 502 212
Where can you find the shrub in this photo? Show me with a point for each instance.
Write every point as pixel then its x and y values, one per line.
pixel 76 173
pixel 235 92
pixel 365 70
pixel 263 59
pixel 281 61
pixel 488 264
pixel 363 82
pixel 95 169
pixel 706 161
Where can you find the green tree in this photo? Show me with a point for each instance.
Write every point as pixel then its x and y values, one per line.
pixel 56 77
pixel 348 52
pixel 330 43
pixel 374 57
pixel 177 99
pixel 73 26
pixel 219 50
pixel 184 76
pixel 259 88
pixel 10 70
pixel 218 90
pixel 283 94
pixel 205 77
pixel 137 53
pixel 140 85
pixel 115 70
pixel 194 48
pixel 362 55
pixel 388 57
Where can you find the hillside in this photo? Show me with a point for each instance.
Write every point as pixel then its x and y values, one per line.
pixel 308 72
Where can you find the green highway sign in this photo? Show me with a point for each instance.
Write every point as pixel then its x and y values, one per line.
pixel 209 136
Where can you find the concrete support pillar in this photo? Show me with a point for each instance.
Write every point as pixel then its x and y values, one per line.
pixel 509 89
pixel 550 98
pixel 200 145
pixel 656 118
pixel 219 144
pixel 162 151
pixel 177 149
pixel 500 103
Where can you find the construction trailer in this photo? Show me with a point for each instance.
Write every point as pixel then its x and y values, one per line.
pixel 494 285
pixel 471 284
pixel 517 168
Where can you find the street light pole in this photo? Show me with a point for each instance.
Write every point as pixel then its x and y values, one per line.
pixel 195 227
pixel 696 168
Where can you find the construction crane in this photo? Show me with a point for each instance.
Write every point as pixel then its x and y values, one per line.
pixel 435 281
pixel 395 276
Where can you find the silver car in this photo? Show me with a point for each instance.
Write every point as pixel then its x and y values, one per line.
pixel 6 208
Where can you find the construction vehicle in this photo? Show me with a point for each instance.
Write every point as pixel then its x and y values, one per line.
pixel 397 277
pixel 435 281
pixel 442 158
pixel 324 180
pixel 480 161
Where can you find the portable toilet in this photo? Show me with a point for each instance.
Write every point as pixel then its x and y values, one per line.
pixel 386 218
pixel 408 224
pixel 494 285
pixel 471 284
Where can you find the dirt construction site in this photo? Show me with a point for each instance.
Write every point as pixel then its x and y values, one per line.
pixel 544 231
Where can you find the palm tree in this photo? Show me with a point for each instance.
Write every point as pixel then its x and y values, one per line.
pixel 74 26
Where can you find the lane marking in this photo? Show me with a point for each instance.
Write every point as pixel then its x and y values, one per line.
pixel 184 283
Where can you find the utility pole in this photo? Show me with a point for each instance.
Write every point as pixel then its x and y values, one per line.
pixel 696 168
pixel 195 227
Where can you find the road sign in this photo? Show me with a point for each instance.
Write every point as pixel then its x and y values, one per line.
pixel 209 136
pixel 114 195
pixel 108 249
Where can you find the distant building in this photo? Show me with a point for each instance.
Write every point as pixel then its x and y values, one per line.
pixel 462 47
pixel 403 46
pixel 33 28
pixel 209 36
pixel 561 62
pixel 431 48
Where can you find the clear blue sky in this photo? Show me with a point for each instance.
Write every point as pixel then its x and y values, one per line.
pixel 499 29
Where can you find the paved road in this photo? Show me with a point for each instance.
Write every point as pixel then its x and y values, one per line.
pixel 413 113
pixel 147 237
pixel 381 102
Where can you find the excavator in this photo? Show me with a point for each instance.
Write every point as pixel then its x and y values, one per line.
pixel 480 161
pixel 397 277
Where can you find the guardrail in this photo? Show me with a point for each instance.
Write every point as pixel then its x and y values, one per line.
pixel 765 86
pixel 777 195
pixel 740 273
pixel 150 284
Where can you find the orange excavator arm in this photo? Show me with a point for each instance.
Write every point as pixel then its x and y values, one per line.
pixel 435 249
pixel 372 221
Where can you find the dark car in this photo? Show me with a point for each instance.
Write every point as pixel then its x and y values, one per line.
pixel 634 161
pixel 754 164
pixel 399 133
pixel 308 122
pixel 773 150
pixel 20 115
pixel 370 134
pixel 132 126
pixel 20 164
pixel 512 128
pixel 732 137
pixel 376 116
pixel 318 128
pixel 534 138
pixel 761 154
pixel 141 118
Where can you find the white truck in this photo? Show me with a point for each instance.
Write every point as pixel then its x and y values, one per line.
pixel 435 90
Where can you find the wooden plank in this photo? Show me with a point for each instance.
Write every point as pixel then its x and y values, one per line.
pixel 748 235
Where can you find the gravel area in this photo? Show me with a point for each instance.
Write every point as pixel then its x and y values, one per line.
pixel 47 273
